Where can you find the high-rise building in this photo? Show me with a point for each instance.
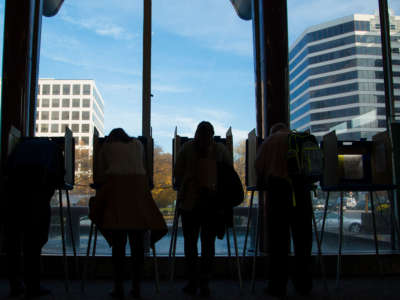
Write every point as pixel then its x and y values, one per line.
pixel 336 77
pixel 76 104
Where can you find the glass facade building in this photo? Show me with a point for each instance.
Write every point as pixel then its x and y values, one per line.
pixel 336 77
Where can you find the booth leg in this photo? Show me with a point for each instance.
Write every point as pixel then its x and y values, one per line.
pixel 85 267
pixel 72 232
pixel 375 234
pixel 237 256
pixel 248 224
pixel 324 217
pixel 258 233
pixel 339 260
pixel 156 274
pixel 173 250
pixel 63 241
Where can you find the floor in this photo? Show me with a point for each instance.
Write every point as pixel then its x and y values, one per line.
pixel 350 288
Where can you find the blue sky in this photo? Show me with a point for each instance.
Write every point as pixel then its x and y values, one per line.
pixel 202 58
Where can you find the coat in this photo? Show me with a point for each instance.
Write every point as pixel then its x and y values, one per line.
pixel 124 202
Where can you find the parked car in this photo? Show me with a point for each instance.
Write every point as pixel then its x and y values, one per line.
pixel 332 222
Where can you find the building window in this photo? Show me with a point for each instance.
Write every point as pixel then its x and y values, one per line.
pixel 45 102
pixel 36 128
pixel 45 115
pixel 86 103
pixel 65 115
pixel 86 89
pixel 37 115
pixel 65 102
pixel 55 115
pixel 46 89
pixel 75 115
pixel 84 140
pixel 76 89
pixel 85 128
pixel 76 103
pixel 54 128
pixel 37 102
pixel 75 128
pixel 85 115
pixel 66 89
pixel 55 103
pixel 56 89
pixel 44 128
pixel 63 127
pixel 38 91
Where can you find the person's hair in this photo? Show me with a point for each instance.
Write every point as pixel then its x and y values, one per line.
pixel 204 126
pixel 118 135
pixel 277 126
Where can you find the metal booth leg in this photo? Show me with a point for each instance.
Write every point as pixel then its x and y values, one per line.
pixel 72 232
pixel 156 273
pixel 85 267
pixel 339 260
pixel 237 256
pixel 66 281
pixel 258 234
pixel 375 234
pixel 324 217
pixel 174 237
pixel 248 224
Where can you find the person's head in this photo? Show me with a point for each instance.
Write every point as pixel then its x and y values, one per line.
pixel 277 127
pixel 204 135
pixel 118 135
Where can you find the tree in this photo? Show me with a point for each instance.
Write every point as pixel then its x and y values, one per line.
pixel 163 192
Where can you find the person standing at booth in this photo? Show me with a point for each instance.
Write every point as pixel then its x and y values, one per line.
pixel 127 209
pixel 34 170
pixel 288 213
pixel 196 179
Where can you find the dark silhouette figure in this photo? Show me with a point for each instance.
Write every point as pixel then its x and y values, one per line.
pixel 34 170
pixel 196 177
pixel 288 214
pixel 127 208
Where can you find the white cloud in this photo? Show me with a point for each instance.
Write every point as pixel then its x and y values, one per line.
pixel 101 25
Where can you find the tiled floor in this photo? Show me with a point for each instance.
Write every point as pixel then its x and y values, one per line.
pixel 354 288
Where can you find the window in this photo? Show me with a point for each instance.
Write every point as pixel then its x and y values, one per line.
pixel 55 103
pixel 45 102
pixel 46 89
pixel 63 127
pixel 85 128
pixel 66 89
pixel 86 103
pixel 65 115
pixel 76 89
pixel 54 128
pixel 45 115
pixel 56 89
pixel 65 102
pixel 86 89
pixel 38 91
pixel 44 128
pixel 85 140
pixel 76 103
pixel 55 115
pixel 38 102
pixel 75 115
pixel 75 128
pixel 85 115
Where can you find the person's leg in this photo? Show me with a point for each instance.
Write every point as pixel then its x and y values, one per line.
pixel 118 256
pixel 207 236
pixel 191 229
pixel 277 219
pixel 136 241
pixel 302 240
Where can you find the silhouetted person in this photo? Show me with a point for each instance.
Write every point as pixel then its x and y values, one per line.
pixel 195 174
pixel 129 210
pixel 34 169
pixel 285 216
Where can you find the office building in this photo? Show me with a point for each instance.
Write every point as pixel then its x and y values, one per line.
pixel 76 104
pixel 336 77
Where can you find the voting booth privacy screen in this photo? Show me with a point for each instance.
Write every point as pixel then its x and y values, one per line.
pixel 356 163
pixel 178 142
